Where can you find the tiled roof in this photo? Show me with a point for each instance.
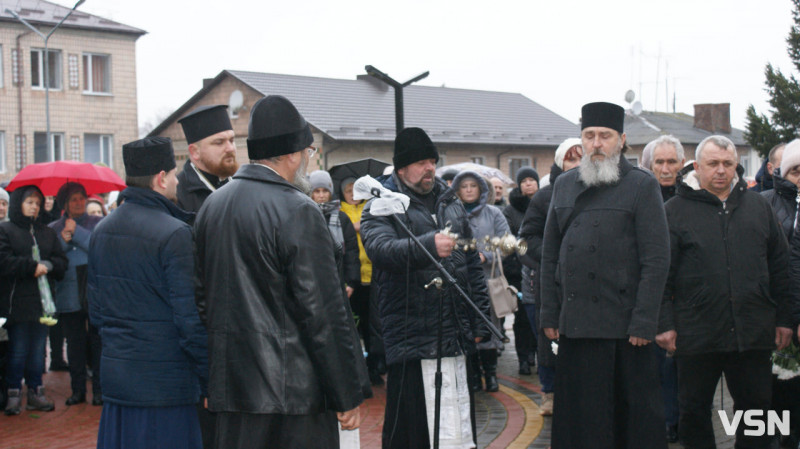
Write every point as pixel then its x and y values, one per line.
pixel 648 126
pixel 363 109
pixel 41 12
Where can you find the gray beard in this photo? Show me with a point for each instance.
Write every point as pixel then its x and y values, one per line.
pixel 301 179
pixel 595 173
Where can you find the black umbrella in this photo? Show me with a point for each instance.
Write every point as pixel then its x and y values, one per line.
pixel 355 169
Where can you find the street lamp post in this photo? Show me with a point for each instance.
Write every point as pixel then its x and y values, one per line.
pixel 46 63
pixel 398 92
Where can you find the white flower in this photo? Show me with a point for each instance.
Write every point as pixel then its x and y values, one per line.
pixel 554 346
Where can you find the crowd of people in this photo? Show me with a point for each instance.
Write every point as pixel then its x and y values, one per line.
pixel 235 306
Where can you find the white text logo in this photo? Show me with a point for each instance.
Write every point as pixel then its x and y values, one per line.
pixel 754 422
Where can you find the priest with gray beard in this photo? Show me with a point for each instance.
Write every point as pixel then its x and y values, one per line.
pixel 605 259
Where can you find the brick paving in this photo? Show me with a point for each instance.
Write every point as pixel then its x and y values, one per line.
pixel 506 419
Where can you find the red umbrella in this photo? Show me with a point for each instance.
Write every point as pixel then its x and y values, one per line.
pixel 50 176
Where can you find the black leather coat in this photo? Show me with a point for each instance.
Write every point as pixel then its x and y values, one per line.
pixel 409 313
pixel 282 339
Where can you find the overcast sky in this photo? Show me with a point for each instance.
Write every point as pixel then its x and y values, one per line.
pixel 560 54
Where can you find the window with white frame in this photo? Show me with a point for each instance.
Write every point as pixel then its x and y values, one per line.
pixel 38 68
pixel 98 148
pixel 43 154
pixel 477 160
pixel 96 73
pixel 2 152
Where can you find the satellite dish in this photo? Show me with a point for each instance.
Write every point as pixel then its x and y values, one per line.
pixel 629 96
pixel 236 102
pixel 637 107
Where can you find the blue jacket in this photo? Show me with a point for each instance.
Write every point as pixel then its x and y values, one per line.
pixel 77 251
pixel 141 297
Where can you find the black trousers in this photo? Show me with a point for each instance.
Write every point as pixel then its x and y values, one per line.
pixel 76 330
pixel 405 420
pixel 607 395
pixel 259 431
pixel 749 378
pixel 524 338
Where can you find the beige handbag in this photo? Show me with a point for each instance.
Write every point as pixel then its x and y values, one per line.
pixel 504 296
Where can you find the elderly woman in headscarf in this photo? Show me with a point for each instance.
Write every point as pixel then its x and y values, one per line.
pixel 74 230
pixel 3 205
pixel 28 251
pixel 484 220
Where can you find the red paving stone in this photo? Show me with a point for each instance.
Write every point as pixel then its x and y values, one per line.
pixel 515 421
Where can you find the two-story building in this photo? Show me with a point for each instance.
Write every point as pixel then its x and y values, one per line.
pixel 354 119
pixel 92 87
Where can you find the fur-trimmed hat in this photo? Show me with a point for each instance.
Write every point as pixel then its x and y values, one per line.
pixel 412 145
pixel 276 128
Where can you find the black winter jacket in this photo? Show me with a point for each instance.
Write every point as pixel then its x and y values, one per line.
pixel 728 285
pixel 409 313
pixel 603 269
pixel 783 199
pixel 532 227
pixel 351 266
pixel 514 213
pixel 19 290
pixel 282 339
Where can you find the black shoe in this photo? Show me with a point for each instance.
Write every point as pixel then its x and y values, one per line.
pixel 59 365
pixel 524 367
pixel 76 398
pixel 491 383
pixel 672 434
pixel 97 400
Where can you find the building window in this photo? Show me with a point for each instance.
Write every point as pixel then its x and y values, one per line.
pixel 98 148
pixel 40 151
pixel 38 72
pixel 96 73
pixel 515 163
pixel 477 160
pixel 633 160
pixel 2 152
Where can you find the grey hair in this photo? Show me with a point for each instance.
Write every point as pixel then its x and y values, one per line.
pixel 647 156
pixel 720 141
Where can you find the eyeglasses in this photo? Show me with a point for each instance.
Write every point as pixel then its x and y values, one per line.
pixel 311 151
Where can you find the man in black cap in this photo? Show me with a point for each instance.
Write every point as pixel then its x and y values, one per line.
pixel 212 155
pixel 154 358
pixel 409 311
pixel 605 259
pixel 285 357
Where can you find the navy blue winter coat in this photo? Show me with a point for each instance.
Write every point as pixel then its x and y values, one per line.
pixel 141 297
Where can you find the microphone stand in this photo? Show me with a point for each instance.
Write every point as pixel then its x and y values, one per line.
pixel 438 283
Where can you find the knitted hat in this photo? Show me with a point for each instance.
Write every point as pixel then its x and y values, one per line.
pixel 413 145
pixel 276 128
pixel 449 175
pixel 345 182
pixel 562 149
pixel 791 156
pixel 205 121
pixel 3 195
pixel 603 114
pixel 320 179
pixel 527 172
pixel 148 156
